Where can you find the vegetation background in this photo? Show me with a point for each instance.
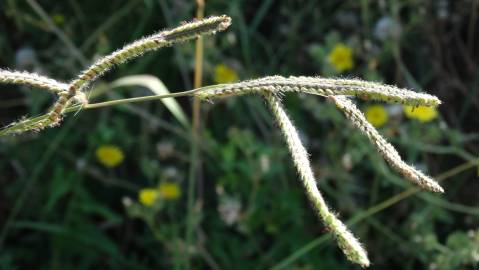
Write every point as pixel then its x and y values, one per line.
pixel 108 188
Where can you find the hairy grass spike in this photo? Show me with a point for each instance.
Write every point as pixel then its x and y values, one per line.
pixel 33 80
pixel 165 38
pixel 323 87
pixel 346 240
pixel 383 147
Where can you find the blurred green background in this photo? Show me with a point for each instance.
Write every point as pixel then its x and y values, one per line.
pixel 108 189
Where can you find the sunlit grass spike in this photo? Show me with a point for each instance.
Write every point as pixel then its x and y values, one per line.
pixel 31 79
pixel 323 87
pixel 383 147
pixel 346 240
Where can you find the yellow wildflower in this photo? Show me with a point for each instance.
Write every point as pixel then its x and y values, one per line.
pixel 148 196
pixel 421 113
pixel 224 74
pixel 376 115
pixel 341 58
pixel 109 155
pixel 169 191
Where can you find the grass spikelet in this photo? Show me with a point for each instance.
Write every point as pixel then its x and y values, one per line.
pixel 383 147
pixel 31 79
pixel 346 240
pixel 323 87
pixel 156 41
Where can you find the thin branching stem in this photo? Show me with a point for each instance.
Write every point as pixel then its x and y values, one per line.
pixel 195 161
pixel 42 120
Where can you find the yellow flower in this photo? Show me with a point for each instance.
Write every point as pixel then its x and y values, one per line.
pixel 341 57
pixel 421 113
pixel 109 155
pixel 376 115
pixel 148 196
pixel 169 191
pixel 225 74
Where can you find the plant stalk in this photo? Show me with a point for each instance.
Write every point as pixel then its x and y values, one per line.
pixel 195 133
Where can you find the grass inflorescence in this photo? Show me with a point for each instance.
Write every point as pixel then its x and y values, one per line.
pixel 33 80
pixel 72 97
pixel 325 87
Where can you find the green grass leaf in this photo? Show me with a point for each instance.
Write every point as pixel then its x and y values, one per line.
pixel 158 88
